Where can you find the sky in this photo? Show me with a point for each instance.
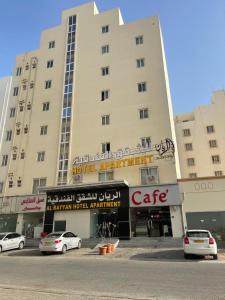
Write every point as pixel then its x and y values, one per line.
pixel 193 33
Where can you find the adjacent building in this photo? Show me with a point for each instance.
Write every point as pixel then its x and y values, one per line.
pixel 201 148
pixel 94 136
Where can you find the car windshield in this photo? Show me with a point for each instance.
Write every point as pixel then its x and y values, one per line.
pixel 54 235
pixel 197 234
pixel 2 236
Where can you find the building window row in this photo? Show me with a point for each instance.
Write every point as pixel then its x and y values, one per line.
pixel 209 129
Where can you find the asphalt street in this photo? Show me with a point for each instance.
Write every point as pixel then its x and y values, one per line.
pixel 66 277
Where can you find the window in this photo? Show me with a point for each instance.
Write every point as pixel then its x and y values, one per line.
pixel 41 156
pixel 29 106
pixel 212 143
pixel 140 62
pixel 105 147
pixel 16 91
pixel 210 129
pixel 27 67
pixel 139 40
pixel 188 147
pixel 4 160
pixel 192 175
pixel 191 161
pixel 105 29
pixel 1 187
pixel 105 176
pixel 141 87
pixel 21 107
pixel 25 129
pixel 186 132
pixel 105 49
pixel 38 182
pixel 51 44
pixel 19 182
pixel 10 183
pixel 31 85
pixel 34 65
pixel 18 131
pixel 22 155
pixel 45 106
pixel 149 175
pixel 12 112
pixel 48 84
pixel 8 135
pixel 44 130
pixel 24 87
pixel 105 120
pixel 14 156
pixel 104 95
pixel 215 159
pixel 49 64
pixel 218 173
pixel 105 71
pixel 18 71
pixel 143 113
pixel 146 142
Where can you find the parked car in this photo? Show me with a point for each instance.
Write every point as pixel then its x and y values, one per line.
pixel 11 240
pixel 199 242
pixel 59 242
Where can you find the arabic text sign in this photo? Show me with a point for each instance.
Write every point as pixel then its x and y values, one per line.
pixel 31 203
pixel 87 200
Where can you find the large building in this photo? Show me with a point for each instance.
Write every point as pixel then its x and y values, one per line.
pixel 201 139
pixel 201 148
pixel 94 131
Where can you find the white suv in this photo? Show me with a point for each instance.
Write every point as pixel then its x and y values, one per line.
pixel 199 242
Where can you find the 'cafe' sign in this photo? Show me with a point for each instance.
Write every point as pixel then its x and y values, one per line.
pixel 158 195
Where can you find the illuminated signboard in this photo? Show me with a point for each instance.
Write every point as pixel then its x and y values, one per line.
pixel 75 200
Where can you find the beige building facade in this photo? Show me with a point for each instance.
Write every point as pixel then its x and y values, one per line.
pixel 93 119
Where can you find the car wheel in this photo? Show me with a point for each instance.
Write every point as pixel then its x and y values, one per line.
pixel 186 256
pixel 21 245
pixel 215 256
pixel 0 249
pixel 79 245
pixel 64 248
pixel 43 252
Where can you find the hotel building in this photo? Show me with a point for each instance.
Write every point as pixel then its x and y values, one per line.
pixel 94 147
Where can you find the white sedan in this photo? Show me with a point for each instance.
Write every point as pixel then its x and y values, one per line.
pixel 11 240
pixel 59 242
pixel 199 242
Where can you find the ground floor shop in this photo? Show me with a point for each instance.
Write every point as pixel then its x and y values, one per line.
pixel 156 211
pixel 203 205
pixel 23 214
pixel 94 210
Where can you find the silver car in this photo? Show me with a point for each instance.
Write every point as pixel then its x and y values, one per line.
pixel 11 240
pixel 59 242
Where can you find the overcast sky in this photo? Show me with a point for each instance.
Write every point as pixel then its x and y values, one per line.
pixel 193 32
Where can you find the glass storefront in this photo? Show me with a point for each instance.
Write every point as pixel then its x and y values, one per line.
pixel 151 221
pixel 104 223
pixel 8 223
pixel 32 225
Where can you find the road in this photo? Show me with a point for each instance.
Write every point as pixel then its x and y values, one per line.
pixel 63 277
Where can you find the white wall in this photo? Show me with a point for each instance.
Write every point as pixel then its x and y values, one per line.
pixel 76 221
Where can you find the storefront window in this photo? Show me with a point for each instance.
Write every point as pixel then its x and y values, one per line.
pixel 32 225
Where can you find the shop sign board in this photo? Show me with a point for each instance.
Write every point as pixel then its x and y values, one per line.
pixel 22 204
pixel 158 195
pixel 33 203
pixel 94 199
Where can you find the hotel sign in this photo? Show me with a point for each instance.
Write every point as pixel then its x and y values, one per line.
pixel 74 200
